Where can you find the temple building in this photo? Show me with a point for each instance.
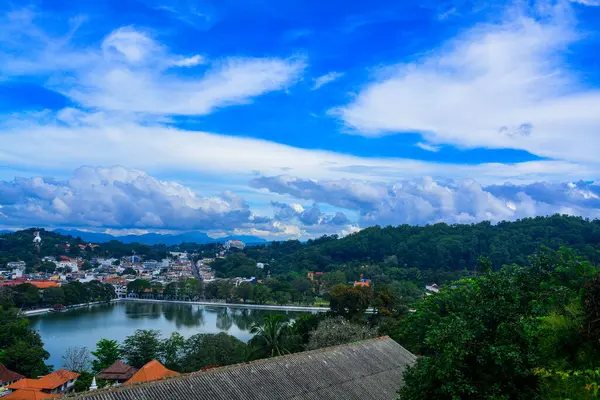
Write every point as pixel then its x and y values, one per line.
pixel 119 372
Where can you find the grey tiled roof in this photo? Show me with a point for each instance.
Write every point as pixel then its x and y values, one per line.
pixel 370 369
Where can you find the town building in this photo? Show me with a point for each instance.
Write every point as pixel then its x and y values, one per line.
pixel 432 287
pixel 7 377
pixel 363 282
pixel 369 369
pixel 37 283
pixel 20 265
pixel 118 373
pixel 152 371
pixel 57 382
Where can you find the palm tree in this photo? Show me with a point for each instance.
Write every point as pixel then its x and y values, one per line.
pixel 274 336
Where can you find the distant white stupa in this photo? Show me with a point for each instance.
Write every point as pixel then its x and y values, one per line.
pixel 93 386
pixel 36 238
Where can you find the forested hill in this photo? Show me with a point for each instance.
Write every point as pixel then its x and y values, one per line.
pixel 436 247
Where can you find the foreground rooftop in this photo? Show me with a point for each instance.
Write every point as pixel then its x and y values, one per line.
pixel 370 369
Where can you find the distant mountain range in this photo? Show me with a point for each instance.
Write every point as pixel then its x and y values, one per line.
pixel 156 238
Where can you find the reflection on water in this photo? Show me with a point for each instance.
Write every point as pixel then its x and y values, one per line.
pixel 85 326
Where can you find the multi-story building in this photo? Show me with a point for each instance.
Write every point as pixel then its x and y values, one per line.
pixel 20 265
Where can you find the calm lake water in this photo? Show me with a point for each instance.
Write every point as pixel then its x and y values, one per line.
pixel 85 326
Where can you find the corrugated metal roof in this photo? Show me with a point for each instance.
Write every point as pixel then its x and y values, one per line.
pixel 370 369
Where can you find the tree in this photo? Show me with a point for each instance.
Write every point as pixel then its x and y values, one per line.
pixel 47 267
pixel 171 290
pixel 86 266
pixel 261 293
pixel 26 295
pixel 349 302
pixel 6 297
pixel 107 353
pixel 129 271
pixel 76 359
pixel 76 293
pixel 336 331
pixel 211 291
pixel 224 290
pixel 302 287
pixel 138 286
pixel 273 337
pixel 330 279
pixel 53 296
pixel 83 382
pixel 484 336
pixel 171 351
pixel 244 291
pixel 204 350
pixel 21 348
pixel 141 347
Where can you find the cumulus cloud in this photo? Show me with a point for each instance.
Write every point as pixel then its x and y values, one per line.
pixel 426 200
pixel 503 85
pixel 307 216
pixel 325 79
pixel 117 197
pixel 122 199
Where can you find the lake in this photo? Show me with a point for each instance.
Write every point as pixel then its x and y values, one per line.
pixel 83 327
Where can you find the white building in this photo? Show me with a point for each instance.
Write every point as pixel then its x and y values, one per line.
pixel 260 265
pixel 16 265
pixel 120 289
pixel 238 244
pixel 432 288
pixel 151 264
pixel 68 265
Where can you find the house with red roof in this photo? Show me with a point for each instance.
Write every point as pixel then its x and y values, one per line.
pixel 7 377
pixel 55 383
pixel 152 371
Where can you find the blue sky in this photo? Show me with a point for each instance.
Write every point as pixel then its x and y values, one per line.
pixel 297 118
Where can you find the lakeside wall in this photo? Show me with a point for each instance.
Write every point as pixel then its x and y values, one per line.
pixel 41 311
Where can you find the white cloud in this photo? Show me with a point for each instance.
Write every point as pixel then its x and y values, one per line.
pixel 426 200
pixel 130 71
pixel 428 147
pixel 496 86
pixel 592 3
pixel 41 141
pixel 117 198
pixel 325 79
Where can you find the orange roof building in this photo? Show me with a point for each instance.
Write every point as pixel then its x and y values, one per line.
pixel 363 282
pixel 152 371
pixel 56 382
pixel 29 394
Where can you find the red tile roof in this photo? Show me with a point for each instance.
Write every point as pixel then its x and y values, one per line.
pixel 151 372
pixel 6 375
pixel 48 382
pixel 118 371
